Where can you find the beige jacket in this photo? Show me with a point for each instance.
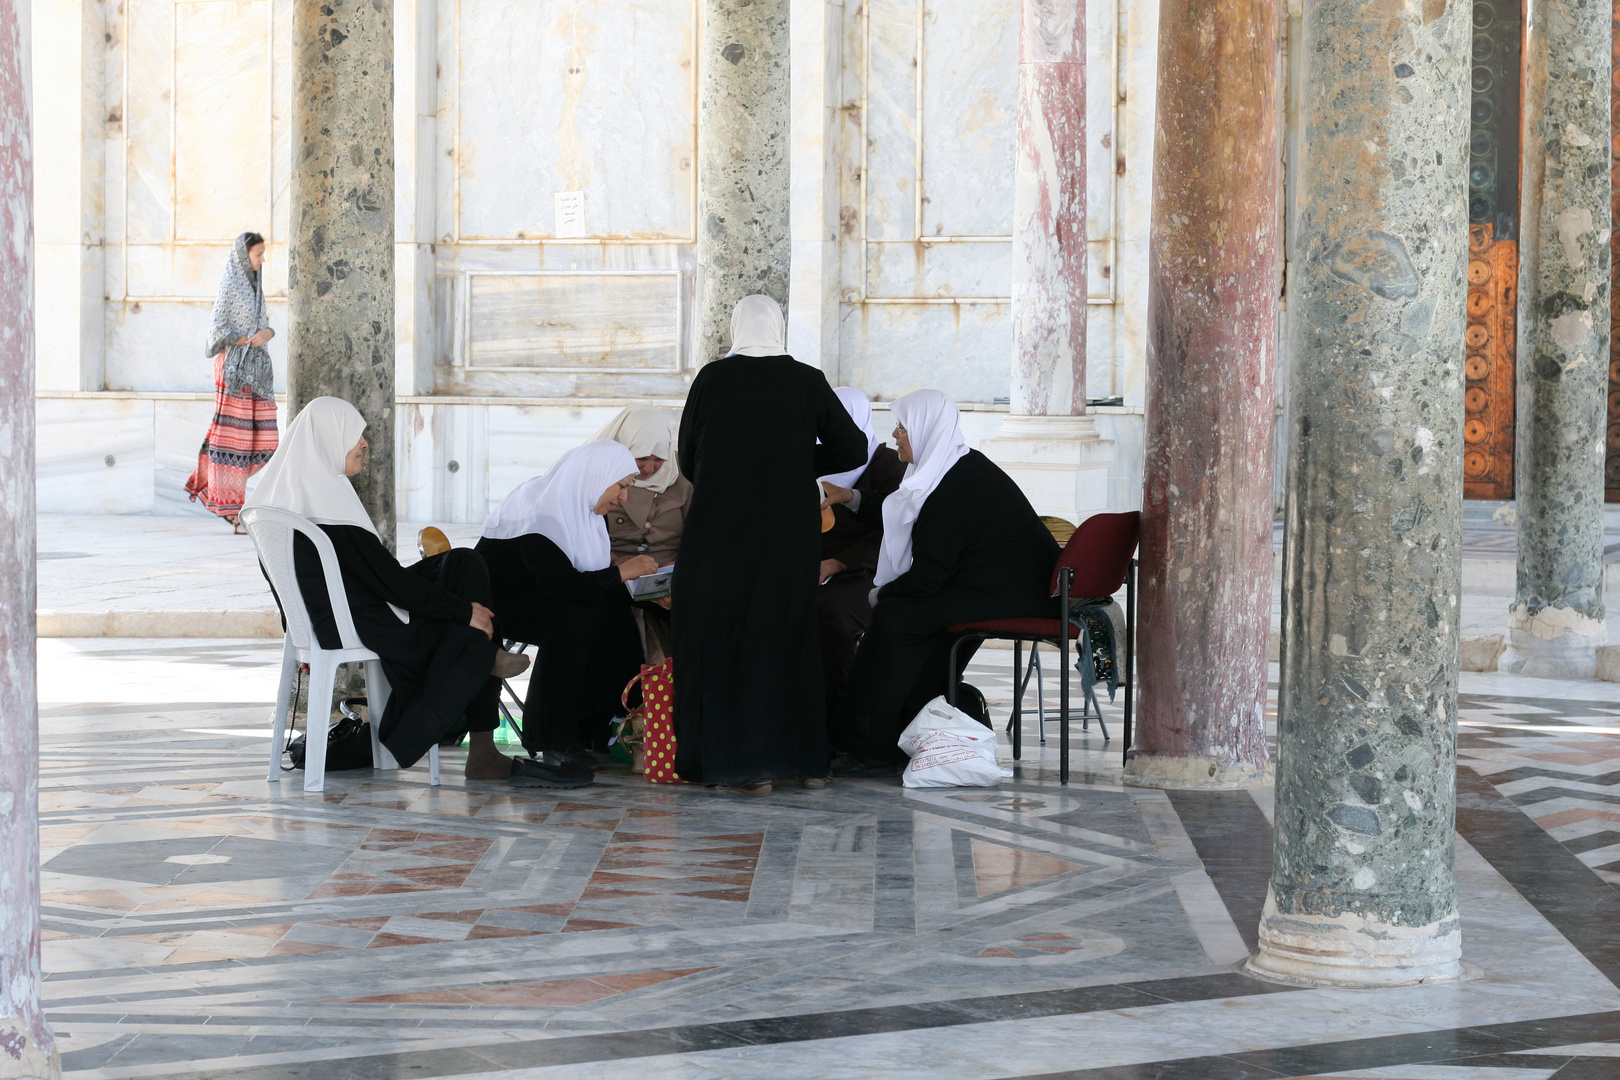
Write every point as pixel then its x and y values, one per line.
pixel 650 523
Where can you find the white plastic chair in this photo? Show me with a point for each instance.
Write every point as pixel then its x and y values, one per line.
pixel 271 531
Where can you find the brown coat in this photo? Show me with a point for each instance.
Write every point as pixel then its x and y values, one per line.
pixel 650 523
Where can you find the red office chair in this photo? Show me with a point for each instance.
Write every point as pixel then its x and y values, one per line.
pixel 1097 560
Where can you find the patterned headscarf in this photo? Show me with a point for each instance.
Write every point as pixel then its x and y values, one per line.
pixel 239 312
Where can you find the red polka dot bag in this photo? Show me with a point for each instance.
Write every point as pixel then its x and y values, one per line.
pixel 656 719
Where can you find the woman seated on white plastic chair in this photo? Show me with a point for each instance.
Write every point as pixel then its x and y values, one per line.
pixel 441 664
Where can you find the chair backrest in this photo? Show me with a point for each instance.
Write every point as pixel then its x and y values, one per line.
pixel 272 532
pixel 1100 553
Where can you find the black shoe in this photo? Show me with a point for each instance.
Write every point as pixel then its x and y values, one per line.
pixel 848 765
pixel 583 757
pixel 550 770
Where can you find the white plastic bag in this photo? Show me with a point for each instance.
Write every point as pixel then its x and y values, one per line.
pixel 949 748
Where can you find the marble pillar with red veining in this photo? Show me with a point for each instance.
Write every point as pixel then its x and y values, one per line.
pixel 1206 556
pixel 1049 212
pixel 26 1046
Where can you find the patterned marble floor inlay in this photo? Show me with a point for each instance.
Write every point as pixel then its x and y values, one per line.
pixel 201 923
pixel 1559 762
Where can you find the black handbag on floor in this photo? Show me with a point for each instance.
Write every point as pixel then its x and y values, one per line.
pixel 348 741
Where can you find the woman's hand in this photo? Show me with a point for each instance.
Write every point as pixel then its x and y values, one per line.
pixel 829 567
pixel 835 494
pixel 483 619
pixel 639 566
pixel 663 602
pixel 258 340
pixel 243 340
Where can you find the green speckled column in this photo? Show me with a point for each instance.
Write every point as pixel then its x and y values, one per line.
pixel 743 243
pixel 1362 889
pixel 340 268
pixel 1556 622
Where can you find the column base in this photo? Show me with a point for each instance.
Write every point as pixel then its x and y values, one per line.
pixel 1060 462
pixel 1553 643
pixel 20 1058
pixel 1194 773
pixel 1348 950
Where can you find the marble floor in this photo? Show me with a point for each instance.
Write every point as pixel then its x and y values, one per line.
pixel 201 923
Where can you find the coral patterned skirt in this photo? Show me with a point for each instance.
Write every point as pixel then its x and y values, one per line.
pixel 239 443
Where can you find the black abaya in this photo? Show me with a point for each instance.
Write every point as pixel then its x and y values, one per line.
pixel 438 666
pixel 842 608
pixel 978 551
pixel 581 622
pixel 748 678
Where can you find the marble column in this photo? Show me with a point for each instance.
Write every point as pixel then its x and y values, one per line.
pixel 743 241
pixel 27 1048
pixel 1211 352
pixel 1556 622
pixel 340 272
pixel 1048 444
pixel 1362 888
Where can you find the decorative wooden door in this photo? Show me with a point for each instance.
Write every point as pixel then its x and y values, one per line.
pixel 1493 250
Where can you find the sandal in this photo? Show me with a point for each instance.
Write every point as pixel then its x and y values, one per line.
pixel 236 525
pixel 756 789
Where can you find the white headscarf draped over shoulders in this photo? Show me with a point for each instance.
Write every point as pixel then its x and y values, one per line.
pixel 306 475
pixel 647 432
pixel 934 429
pixel 558 504
pixel 757 327
pixel 860 411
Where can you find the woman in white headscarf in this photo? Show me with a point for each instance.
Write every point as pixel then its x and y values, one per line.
pixel 556 586
pixel 430 623
pixel 961 543
pixel 650 520
pixel 757 430
pixel 849 550
pixel 242 434
pixel 653 515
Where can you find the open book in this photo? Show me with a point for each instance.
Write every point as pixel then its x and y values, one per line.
pixel 654 586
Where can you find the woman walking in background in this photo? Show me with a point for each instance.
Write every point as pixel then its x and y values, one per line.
pixel 242 436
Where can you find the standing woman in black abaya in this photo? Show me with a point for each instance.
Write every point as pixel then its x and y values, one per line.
pixel 748 679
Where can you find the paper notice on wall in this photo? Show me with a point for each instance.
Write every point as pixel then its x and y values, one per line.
pixel 570 213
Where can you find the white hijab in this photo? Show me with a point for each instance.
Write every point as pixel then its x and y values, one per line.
pixel 306 474
pixel 558 504
pixel 757 327
pixel 647 432
pixel 860 411
pixel 935 432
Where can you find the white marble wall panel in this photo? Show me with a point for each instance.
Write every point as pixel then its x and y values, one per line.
pixel 970 112
pixel 890 167
pixel 599 321
pixel 158 345
pixel 893 349
pixel 1102 76
pixel 1125 431
pixel 94 457
pixel 222 144
pixel 281 139
pixel 525 440
pixel 148 35
pixel 1102 326
pixel 494 448
pixel 587 95
pixel 939 270
pixel 814 131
